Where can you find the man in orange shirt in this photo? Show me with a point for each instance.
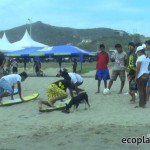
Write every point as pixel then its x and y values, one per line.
pixel 102 72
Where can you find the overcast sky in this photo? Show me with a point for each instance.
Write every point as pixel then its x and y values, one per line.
pixel 132 16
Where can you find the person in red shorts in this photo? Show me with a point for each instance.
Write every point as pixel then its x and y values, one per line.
pixel 102 72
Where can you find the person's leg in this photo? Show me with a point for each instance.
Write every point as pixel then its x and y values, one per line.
pixel 114 76
pixel 105 77
pixel 5 88
pixel 122 78
pixel 148 89
pixel 43 102
pixel 98 86
pixel 132 93
pixel 105 84
pixel 99 77
pixel 121 87
pixel 139 82
pixel 51 102
pixel 147 92
pixel 144 91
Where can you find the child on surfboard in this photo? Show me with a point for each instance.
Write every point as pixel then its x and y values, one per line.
pixel 57 91
pixel 8 82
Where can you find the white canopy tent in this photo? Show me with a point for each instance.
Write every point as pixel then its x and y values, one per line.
pixel 27 42
pixel 6 46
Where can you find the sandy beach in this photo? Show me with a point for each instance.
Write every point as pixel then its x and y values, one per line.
pixel 110 118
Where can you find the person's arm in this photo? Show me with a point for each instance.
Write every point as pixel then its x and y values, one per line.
pixel 76 88
pixel 12 94
pixel 107 58
pixel 71 93
pixel 138 68
pixel 70 89
pixel 19 90
pixel 149 66
pixel 125 60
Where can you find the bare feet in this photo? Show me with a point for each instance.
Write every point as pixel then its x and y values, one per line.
pixel 97 92
pixel 139 107
pixel 120 92
pixel 51 104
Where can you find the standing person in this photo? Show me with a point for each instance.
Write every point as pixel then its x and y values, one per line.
pixel 132 85
pixel 2 62
pixel 148 82
pixel 25 63
pixel 131 58
pixel 102 72
pixel 142 75
pixel 8 82
pixel 74 65
pixel 14 66
pixel 8 65
pixel 37 66
pixel 119 67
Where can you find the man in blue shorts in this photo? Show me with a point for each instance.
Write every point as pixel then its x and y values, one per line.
pixel 102 72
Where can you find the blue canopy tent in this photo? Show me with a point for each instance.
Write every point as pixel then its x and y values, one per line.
pixel 54 51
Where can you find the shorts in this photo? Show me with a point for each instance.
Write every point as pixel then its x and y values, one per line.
pixel 5 86
pixel 133 87
pixel 102 74
pixel 116 73
pixel 53 91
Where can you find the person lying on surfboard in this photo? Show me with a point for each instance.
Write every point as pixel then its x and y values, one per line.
pixel 57 91
pixel 8 82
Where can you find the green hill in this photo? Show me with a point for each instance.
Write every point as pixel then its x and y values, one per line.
pixel 84 38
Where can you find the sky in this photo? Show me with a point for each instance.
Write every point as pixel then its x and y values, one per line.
pixel 132 16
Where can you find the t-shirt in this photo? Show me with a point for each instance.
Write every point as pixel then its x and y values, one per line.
pixel 14 64
pixel 120 59
pixel 12 79
pixel 75 78
pixel 102 60
pixel 144 65
pixel 132 61
pixel 63 84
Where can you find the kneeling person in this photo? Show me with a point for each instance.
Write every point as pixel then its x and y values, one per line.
pixel 56 91
pixel 8 82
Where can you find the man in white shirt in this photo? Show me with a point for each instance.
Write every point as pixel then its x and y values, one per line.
pixel 142 75
pixel 8 82
pixel 76 80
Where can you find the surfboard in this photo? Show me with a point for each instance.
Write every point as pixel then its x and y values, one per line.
pixel 59 105
pixel 15 92
pixel 9 102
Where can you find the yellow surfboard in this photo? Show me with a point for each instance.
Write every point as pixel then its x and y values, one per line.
pixel 59 105
pixel 9 102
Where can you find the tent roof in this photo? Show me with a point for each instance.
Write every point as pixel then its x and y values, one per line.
pixel 6 46
pixel 27 41
pixel 62 50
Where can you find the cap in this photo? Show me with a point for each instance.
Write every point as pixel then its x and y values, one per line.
pixel 144 46
pixel 139 48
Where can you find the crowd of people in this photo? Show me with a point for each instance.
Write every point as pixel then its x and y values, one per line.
pixel 134 63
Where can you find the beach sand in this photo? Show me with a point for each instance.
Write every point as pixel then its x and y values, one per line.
pixel 110 118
